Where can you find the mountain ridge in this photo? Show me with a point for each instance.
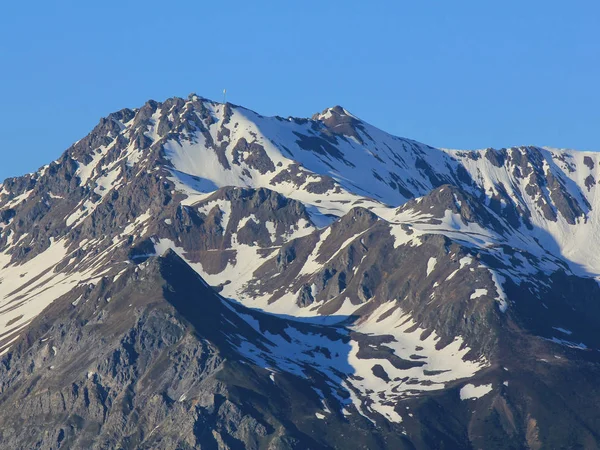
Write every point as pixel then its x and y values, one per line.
pixel 438 269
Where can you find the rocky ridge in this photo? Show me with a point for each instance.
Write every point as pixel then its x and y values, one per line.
pixel 384 280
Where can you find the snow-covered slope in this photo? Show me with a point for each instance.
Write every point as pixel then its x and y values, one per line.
pixel 333 161
pixel 554 191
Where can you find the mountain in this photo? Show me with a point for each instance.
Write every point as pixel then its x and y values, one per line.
pixel 195 275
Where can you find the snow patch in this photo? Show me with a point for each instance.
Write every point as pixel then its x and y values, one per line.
pixel 478 293
pixel 472 392
pixel 431 265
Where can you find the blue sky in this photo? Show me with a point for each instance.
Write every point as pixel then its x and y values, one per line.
pixel 460 74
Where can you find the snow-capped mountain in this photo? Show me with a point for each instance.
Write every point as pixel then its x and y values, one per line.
pixel 189 259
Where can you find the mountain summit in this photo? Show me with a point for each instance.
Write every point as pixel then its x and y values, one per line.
pixel 195 275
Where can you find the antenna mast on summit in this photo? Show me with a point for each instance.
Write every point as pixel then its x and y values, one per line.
pixel 224 96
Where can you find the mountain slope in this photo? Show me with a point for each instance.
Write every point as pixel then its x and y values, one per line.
pixel 162 373
pixel 440 297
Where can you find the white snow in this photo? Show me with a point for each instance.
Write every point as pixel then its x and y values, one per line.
pixel 431 265
pixel 578 346
pixel 312 265
pixel 223 205
pixel 563 330
pixel 449 277
pixel 472 392
pixel 361 176
pixel 478 293
pixel 25 290
pixel 296 353
pixel 272 230
pixel 85 171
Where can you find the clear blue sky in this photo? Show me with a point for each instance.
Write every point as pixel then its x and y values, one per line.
pixel 458 74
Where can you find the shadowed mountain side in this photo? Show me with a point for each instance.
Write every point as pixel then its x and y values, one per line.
pixel 155 353
pixel 156 360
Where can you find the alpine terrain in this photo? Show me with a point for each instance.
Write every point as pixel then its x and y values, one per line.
pixel 193 275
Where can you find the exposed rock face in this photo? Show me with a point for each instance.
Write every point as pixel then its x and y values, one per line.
pixel 195 275
pixel 144 363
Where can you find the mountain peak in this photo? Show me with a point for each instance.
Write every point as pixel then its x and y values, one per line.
pixel 334 111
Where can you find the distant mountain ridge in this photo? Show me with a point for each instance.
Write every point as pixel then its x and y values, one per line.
pixel 391 279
